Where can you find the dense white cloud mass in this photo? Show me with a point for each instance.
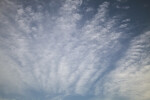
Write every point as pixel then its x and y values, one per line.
pixel 46 55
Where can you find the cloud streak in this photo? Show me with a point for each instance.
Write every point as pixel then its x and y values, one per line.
pixel 45 55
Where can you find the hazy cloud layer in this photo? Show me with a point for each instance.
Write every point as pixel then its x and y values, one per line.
pixel 48 54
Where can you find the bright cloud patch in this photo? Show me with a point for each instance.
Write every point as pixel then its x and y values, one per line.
pixel 52 51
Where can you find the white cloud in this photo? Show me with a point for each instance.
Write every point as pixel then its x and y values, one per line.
pixel 126 20
pixel 132 75
pixel 53 59
pixel 122 0
pixel 89 9
pixel 49 52
pixel 123 7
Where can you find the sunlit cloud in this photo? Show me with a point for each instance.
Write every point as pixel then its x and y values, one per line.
pixel 50 51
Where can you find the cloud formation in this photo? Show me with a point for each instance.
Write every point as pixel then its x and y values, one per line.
pixel 46 55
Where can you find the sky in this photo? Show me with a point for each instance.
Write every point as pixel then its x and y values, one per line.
pixel 74 50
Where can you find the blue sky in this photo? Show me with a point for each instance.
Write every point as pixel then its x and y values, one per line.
pixel 74 50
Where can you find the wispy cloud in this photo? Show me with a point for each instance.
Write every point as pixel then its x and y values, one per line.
pixel 45 55
pixel 131 77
